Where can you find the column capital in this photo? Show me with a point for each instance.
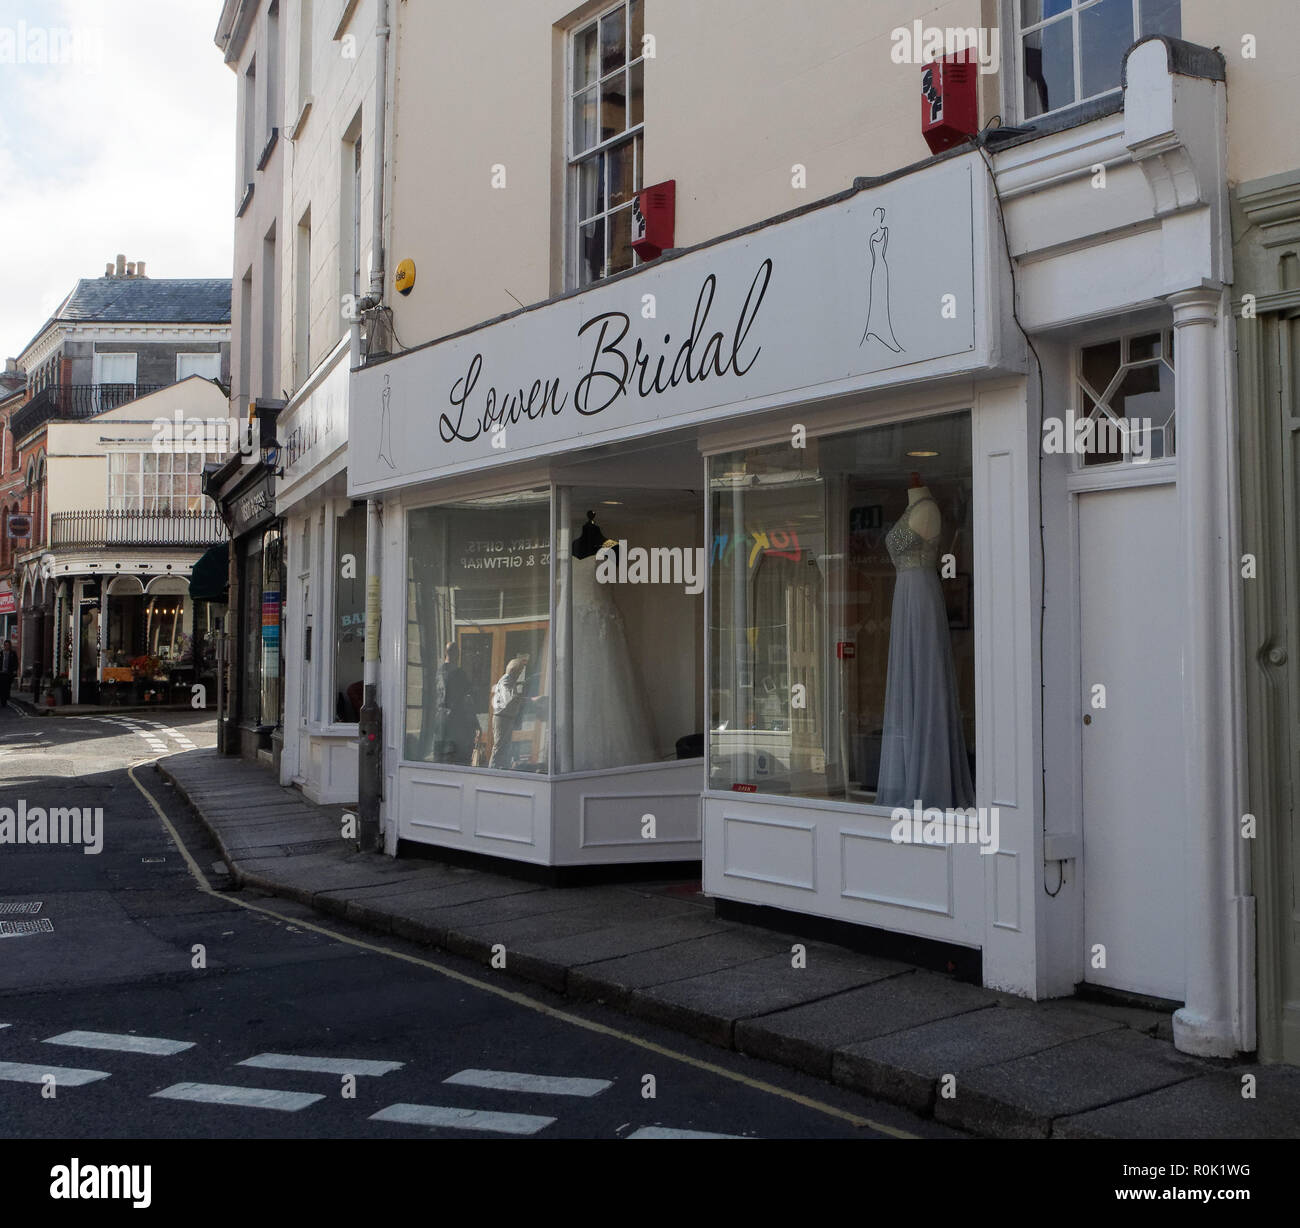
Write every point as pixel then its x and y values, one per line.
pixel 1198 305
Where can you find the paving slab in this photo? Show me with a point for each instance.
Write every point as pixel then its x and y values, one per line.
pixel 724 946
pixel 1021 1098
pixel 708 1006
pixel 905 1066
pixel 1212 1106
pixel 628 938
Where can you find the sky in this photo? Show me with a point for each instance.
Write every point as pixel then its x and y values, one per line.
pixel 126 145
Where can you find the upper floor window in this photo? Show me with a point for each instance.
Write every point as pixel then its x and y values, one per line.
pixel 116 368
pixel 1072 50
pixel 606 113
pixel 206 365
pixel 155 481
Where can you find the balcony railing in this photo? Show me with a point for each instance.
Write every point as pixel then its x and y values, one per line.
pixel 91 530
pixel 74 401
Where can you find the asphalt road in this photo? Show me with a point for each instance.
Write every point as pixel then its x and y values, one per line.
pixel 165 1011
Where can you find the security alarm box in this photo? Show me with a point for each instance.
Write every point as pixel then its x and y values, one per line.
pixel 653 212
pixel 950 100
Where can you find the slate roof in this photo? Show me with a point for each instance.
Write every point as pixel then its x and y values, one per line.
pixel 149 300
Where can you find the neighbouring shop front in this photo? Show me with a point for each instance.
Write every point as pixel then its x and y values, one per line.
pixel 774 553
pixel 250 723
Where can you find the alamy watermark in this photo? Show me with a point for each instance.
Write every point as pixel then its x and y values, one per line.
pixel 954 825
pixel 71 825
pixel 24 44
pixel 1100 436
pixel 919 44
pixel 682 565
pixel 207 436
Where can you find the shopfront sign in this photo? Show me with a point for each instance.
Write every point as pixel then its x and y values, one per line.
pixel 314 426
pixel 884 287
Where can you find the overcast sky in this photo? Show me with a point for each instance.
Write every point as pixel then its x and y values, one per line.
pixel 129 147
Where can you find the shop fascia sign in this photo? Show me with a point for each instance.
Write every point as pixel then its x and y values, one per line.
pixel 887 286
pixel 312 429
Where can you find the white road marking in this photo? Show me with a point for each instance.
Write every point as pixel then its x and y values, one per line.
pixel 665 1132
pixel 64 1076
pixel 5 1025
pixel 462 1119
pixel 545 1085
pixel 321 1065
pixel 242 1097
pixel 23 929
pixel 158 1046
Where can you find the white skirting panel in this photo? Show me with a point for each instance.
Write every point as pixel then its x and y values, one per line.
pixel 328 765
pixel 625 815
pixel 839 862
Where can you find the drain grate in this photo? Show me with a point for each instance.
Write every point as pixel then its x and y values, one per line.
pixel 27 907
pixel 15 929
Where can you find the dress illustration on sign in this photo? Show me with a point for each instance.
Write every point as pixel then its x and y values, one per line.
pixel 879 325
pixel 923 751
pixel 385 427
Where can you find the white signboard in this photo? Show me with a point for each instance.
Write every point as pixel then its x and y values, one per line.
pixel 882 287
pixel 315 427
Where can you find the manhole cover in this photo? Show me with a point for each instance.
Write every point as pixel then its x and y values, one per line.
pixel 28 907
pixel 16 929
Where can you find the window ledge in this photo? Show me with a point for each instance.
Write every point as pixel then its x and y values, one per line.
pixel 296 131
pixel 265 155
pixel 244 201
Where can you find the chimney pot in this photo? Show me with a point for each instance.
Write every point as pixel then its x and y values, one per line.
pixel 130 268
pixel 108 269
pixel 121 265
pixel 139 268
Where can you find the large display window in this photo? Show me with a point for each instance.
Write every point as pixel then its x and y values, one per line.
pixel 842 641
pixel 478 638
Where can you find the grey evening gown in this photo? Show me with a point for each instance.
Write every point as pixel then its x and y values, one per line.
pixel 923 749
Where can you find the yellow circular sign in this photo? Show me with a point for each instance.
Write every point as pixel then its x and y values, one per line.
pixel 404 281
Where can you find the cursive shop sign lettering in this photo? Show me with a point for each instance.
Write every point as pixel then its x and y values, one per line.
pixel 878 288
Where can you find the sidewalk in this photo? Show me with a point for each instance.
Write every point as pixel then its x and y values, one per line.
pixel 24 700
pixel 1061 1069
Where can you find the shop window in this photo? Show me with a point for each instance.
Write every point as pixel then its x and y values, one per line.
pixel 1125 401
pixel 478 637
pixel 606 125
pixel 629 633
pixel 250 581
pixel 841 622
pixel 1072 50
pixel 271 610
pixel 349 613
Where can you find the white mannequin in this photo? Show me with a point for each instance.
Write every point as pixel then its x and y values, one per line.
pixel 924 520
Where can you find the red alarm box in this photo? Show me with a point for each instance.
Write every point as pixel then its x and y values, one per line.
pixel 653 211
pixel 950 100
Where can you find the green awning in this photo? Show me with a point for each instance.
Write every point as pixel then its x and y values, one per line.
pixel 210 576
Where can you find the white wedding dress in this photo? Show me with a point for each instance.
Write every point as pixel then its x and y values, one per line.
pixel 612 726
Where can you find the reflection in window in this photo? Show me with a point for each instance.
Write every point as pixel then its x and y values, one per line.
pixel 478 633
pixel 841 621
pixel 349 613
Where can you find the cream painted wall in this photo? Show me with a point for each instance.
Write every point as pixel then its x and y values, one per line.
pixel 342 83
pixel 739 91
pixel 1263 136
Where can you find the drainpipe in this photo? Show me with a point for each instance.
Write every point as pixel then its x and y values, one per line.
pixel 370 727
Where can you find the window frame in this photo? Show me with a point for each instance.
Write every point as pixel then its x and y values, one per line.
pixel 1016 66
pixel 573 162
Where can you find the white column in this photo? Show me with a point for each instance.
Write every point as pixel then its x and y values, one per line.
pixel 1205 1025
pixel 104 582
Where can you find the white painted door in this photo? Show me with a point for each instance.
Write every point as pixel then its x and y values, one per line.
pixel 1130 579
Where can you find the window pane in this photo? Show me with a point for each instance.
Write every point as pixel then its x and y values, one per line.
pixel 349 613
pixel 590 198
pixel 636 18
pixel 613 105
pixel 584 120
pixel 584 57
pixel 1034 11
pixel 1162 17
pixel 591 252
pixel 842 663
pixel 620 241
pixel 1105 33
pixel 477 691
pixel 1098 365
pixel 1049 68
pixel 618 161
pixel 629 664
pixel 636 95
pixel 613 44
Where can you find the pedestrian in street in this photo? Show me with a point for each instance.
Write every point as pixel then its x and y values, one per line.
pixel 8 668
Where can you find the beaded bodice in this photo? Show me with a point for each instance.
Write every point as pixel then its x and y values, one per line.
pixel 908 550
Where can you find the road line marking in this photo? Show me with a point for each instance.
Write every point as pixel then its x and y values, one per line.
pixel 544 1085
pixel 522 999
pixel 321 1065
pixel 240 1097
pixel 665 1132
pixel 157 1046
pixel 462 1119
pixel 21 929
pixel 65 1076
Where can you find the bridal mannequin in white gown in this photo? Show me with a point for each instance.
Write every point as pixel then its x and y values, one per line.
pixel 611 721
